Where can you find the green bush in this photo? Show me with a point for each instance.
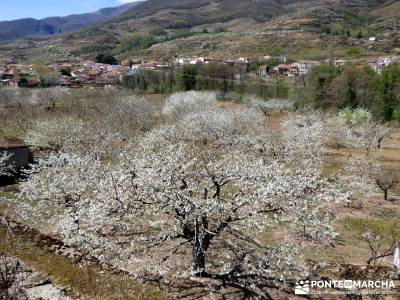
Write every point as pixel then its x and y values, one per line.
pixel 158 32
pixel 353 51
pixel 187 77
pixel 352 117
pixel 136 42
pixel 220 29
pixel 106 59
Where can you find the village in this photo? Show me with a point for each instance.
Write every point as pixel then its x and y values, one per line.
pixel 96 74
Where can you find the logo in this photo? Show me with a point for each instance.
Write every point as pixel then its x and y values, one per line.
pixel 302 288
pixel 345 287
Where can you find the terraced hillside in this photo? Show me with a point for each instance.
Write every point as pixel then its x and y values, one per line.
pixel 159 29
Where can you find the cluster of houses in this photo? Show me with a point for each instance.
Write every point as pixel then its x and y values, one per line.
pixel 378 64
pixel 294 69
pixel 91 73
pixel 298 68
pixel 183 61
pixel 240 62
pixel 100 74
pixel 13 74
pixel 303 67
pixel 97 74
pixel 62 74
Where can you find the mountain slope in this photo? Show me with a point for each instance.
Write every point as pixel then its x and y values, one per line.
pixel 204 11
pixel 11 30
pixel 159 29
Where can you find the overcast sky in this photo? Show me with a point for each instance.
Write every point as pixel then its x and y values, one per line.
pixel 39 9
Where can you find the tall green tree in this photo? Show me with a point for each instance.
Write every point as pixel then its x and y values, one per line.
pixel 320 79
pixel 352 87
pixel 388 89
pixel 187 77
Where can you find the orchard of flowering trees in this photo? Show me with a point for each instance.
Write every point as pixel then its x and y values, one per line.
pixel 212 195
pixel 198 191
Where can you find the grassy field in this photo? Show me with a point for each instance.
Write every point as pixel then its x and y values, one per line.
pixel 81 280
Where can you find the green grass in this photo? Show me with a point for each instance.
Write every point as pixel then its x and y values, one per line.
pixel 388 228
pixel 5 199
pixel 8 134
pixel 88 280
pixel 81 280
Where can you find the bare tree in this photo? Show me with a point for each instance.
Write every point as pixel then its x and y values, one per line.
pixel 382 131
pixel 368 136
pixel 272 105
pixel 375 244
pixel 124 115
pixel 373 172
pixel 386 180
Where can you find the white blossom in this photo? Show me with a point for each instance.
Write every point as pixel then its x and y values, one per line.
pixel 179 104
pixel 168 205
pixel 5 168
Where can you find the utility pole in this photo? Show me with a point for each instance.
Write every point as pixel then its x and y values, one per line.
pixel 161 80
pixel 136 80
pixel 172 72
pixel 241 82
pixel 277 84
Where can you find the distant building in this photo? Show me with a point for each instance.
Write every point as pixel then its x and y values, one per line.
pixel 380 63
pixel 305 66
pixel 282 69
pixel 267 57
pixel 5 82
pixel 263 71
pixel 339 62
pixel 150 65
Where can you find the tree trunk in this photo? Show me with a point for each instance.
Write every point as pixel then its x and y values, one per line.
pixel 199 258
pixel 380 143
pixel 386 194
pixel 200 246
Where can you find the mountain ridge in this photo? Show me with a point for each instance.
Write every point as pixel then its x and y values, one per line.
pixel 160 29
pixel 26 27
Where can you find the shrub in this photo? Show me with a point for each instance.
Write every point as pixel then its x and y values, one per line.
pixel 353 51
pixel 354 117
pixel 136 42
pixel 106 59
